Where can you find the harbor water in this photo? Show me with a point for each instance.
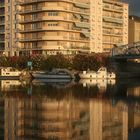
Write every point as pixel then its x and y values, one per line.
pixel 69 110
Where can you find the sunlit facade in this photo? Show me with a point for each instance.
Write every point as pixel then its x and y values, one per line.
pixel 66 26
pixel 134 29
pixel 2 26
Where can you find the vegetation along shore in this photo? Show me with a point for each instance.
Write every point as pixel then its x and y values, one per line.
pixel 39 62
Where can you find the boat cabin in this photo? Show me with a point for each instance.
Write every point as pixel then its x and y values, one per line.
pixel 9 71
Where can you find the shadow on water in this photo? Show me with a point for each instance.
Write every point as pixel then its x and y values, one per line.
pixel 87 110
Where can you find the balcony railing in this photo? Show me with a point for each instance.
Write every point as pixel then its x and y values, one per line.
pixel 81 4
pixel 2 14
pixel 47 18
pixel 112 19
pixel 2 22
pixel 113 8
pixel 59 8
pixel 112 33
pixel 2 31
pixel 44 38
pixel 2 40
pixel 2 5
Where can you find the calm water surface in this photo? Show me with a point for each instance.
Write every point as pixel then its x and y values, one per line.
pixel 88 110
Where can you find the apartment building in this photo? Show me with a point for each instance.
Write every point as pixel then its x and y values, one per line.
pixel 50 26
pixel 2 26
pixel 134 29
pixel 114 24
pixel 65 26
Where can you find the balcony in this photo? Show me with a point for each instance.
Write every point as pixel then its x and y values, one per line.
pixel 46 18
pixel 2 22
pixel 28 39
pixel 2 5
pixel 2 31
pixel 2 14
pixel 79 4
pixel 82 25
pixel 113 8
pixel 111 33
pixel 29 30
pixel 52 38
pixel 41 29
pixel 118 26
pixel 114 20
pixel 113 2
pixel 112 42
pixel 2 40
pixel 52 8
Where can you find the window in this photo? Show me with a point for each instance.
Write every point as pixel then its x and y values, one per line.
pixel 34 16
pixel 34 45
pixel 34 25
pixel 52 13
pixel 52 24
pixel 34 6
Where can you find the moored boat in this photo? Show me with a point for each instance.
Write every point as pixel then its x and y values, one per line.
pixel 102 73
pixel 9 73
pixel 54 74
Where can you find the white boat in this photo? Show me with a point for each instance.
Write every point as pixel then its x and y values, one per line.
pixel 100 74
pixel 54 74
pixel 9 73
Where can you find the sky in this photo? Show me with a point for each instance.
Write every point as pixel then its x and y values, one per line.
pixel 134 6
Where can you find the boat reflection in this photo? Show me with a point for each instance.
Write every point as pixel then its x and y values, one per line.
pixel 68 118
pixel 58 83
pixel 100 83
pixel 7 85
pixel 72 113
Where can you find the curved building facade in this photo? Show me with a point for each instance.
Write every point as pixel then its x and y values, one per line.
pixel 62 26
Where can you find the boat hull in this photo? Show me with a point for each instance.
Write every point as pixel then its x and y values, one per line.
pixel 97 76
pixel 45 76
pixel 52 80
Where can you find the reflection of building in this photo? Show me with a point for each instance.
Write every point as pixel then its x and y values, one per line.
pixel 108 122
pixel 6 85
pixel 135 92
pixel 2 114
pixel 67 26
pixel 46 118
pixel 66 118
pixel 100 83
pixel 134 117
pixel 134 109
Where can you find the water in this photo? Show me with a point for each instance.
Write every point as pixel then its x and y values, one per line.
pixel 88 110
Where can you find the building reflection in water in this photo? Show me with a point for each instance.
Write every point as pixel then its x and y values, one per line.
pixel 62 115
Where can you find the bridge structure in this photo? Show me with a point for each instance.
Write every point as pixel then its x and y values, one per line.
pixel 128 51
pixel 120 60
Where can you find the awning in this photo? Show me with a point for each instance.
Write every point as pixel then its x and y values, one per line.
pixel 85 16
pixel 115 20
pixel 86 34
pixel 77 16
pixel 82 25
pixel 81 5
